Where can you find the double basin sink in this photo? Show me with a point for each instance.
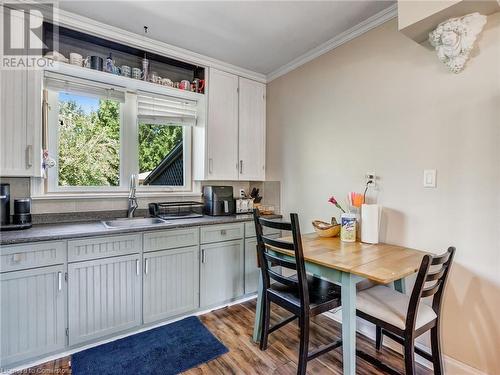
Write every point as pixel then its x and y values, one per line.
pixel 135 222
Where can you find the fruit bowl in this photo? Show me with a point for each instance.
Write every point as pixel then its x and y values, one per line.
pixel 324 229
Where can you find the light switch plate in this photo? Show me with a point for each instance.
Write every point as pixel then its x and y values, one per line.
pixel 430 178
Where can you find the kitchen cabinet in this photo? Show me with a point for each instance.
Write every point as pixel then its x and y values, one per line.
pixel 21 123
pixel 171 283
pixel 32 313
pixel 252 271
pixel 252 130
pixel 235 135
pixel 222 127
pixel 221 272
pixel 104 297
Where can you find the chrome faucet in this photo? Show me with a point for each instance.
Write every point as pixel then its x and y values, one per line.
pixel 132 199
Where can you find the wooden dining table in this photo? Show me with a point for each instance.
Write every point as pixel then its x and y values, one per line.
pixel 347 263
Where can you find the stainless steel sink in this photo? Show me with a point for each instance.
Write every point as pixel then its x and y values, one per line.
pixel 133 222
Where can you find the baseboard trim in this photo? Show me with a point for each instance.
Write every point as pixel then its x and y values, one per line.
pixel 452 366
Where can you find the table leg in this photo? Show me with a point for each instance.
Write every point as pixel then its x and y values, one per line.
pixel 349 323
pixel 400 285
pixel 258 311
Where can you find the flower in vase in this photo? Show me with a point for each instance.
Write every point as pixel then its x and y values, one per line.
pixel 333 201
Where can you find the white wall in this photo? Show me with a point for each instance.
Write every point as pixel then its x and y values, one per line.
pixel 384 104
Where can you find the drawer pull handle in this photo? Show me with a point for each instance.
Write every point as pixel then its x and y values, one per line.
pixel 59 281
pixel 146 266
pixel 137 267
pixel 223 232
pixel 16 258
pixel 203 256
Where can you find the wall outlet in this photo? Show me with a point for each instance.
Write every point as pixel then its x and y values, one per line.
pixel 371 180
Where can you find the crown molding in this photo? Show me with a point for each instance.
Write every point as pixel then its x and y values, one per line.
pixel 87 25
pixel 376 20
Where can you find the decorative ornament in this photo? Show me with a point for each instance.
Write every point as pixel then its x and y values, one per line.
pixel 454 39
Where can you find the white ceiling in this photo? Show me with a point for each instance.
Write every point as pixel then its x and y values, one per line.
pixel 260 36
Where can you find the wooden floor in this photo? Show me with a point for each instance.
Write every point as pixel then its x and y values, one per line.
pixel 233 326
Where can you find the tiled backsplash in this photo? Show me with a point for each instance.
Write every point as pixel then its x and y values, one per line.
pixel 20 188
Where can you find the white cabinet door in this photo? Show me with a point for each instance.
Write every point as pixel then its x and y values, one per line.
pixel 252 130
pixel 170 283
pixel 20 122
pixel 104 297
pixel 222 127
pixel 32 313
pixel 221 272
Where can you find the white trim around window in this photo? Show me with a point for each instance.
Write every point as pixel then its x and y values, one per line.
pixel 129 153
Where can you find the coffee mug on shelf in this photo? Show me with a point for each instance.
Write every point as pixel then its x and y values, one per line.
pixel 136 73
pixel 126 70
pixel 185 85
pixel 199 85
pixel 167 82
pixel 75 59
pixel 94 62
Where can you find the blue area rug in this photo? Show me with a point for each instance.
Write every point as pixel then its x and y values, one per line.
pixel 170 349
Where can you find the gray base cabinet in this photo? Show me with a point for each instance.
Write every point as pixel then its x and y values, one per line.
pixel 221 272
pixel 252 271
pixel 32 313
pixel 104 297
pixel 171 283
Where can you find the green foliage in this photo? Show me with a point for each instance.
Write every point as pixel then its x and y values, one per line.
pixel 155 142
pixel 89 145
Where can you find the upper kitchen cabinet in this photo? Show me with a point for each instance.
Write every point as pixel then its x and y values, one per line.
pixel 234 137
pixel 222 127
pixel 20 123
pixel 252 130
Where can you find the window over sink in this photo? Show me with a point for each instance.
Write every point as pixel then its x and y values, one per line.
pixel 99 135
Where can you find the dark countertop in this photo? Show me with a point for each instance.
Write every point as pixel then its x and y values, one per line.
pixel 63 231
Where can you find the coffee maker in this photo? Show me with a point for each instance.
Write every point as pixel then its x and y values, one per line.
pixel 5 204
pixel 218 200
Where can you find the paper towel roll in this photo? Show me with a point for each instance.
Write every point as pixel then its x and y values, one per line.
pixel 370 222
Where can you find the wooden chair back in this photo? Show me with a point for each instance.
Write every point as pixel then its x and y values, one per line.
pixel 267 257
pixel 430 283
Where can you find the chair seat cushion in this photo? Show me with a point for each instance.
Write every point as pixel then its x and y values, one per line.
pixel 323 295
pixel 390 306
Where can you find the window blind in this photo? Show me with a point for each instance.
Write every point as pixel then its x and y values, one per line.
pixel 61 82
pixel 165 110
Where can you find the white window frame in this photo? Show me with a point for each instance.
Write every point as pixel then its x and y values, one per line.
pixel 129 154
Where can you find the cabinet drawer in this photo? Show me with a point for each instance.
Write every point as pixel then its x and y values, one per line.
pixel 31 255
pixel 250 230
pixel 171 239
pixel 103 247
pixel 225 232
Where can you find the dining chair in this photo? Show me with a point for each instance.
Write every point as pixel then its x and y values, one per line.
pixel 404 318
pixel 303 295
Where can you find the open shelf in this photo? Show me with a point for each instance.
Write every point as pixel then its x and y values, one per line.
pixel 88 45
